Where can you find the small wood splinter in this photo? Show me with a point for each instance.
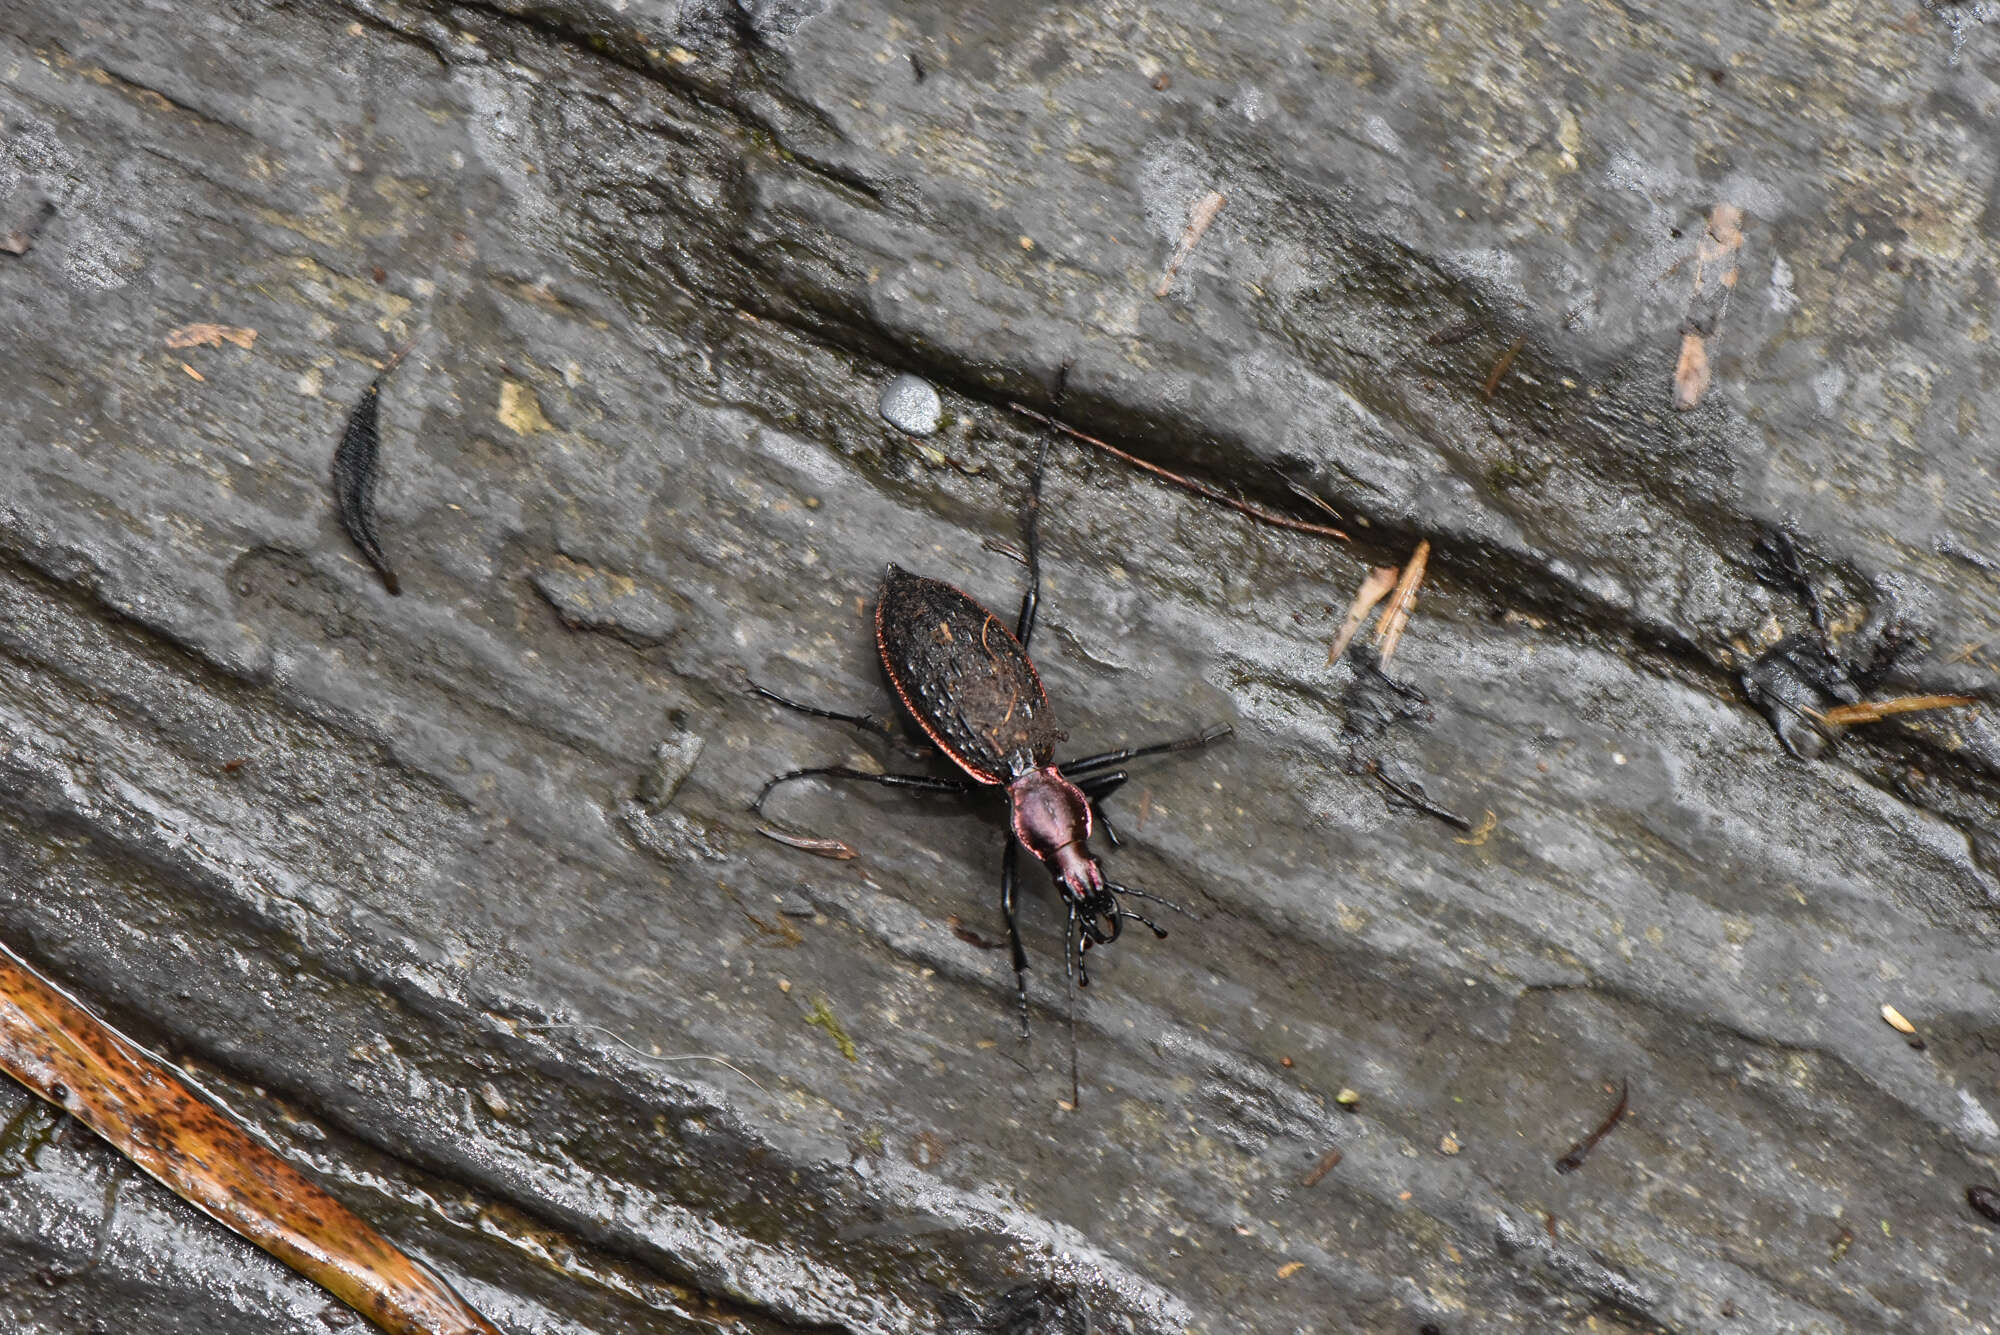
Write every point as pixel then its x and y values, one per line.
pixel 1395 617
pixel 1389 630
pixel 1873 711
pixel 1894 1019
pixel 1327 1163
pixel 1501 367
pixel 1373 590
pixel 826 848
pixel 1199 217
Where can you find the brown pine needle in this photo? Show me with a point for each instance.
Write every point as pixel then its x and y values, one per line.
pixel 1373 590
pixel 1256 512
pixel 1199 217
pixel 1871 711
pixel 1506 360
pixel 1327 1163
pixel 68 1056
pixel 826 848
pixel 1389 630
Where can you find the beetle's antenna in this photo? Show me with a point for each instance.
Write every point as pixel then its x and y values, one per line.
pixel 1118 889
pixel 1158 930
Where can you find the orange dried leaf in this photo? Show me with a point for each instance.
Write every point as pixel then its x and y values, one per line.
pixel 68 1056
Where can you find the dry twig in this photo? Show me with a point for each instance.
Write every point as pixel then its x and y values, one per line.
pixel 1256 512
pixel 1873 711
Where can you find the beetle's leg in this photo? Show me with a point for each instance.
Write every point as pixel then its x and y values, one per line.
pixel 1010 882
pixel 1024 629
pixel 1076 770
pixel 921 782
pixel 1096 790
pixel 1072 969
pixel 865 722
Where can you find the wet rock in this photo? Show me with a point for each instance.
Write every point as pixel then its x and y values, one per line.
pixel 911 405
pixel 673 761
pixel 665 259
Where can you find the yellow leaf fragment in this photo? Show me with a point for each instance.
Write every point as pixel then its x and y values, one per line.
pixel 210 336
pixel 1691 371
pixel 520 410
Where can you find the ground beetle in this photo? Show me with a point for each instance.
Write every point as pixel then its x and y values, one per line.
pixel 968 682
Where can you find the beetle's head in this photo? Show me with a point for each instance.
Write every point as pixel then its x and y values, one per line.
pixel 1052 820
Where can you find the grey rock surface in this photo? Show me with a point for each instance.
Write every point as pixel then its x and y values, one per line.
pixel 479 927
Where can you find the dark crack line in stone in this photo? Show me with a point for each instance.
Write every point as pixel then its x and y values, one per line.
pixel 614 48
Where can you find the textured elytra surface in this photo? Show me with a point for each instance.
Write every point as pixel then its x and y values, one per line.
pixel 964 678
pixel 452 921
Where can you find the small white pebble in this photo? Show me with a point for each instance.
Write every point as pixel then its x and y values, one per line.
pixel 910 404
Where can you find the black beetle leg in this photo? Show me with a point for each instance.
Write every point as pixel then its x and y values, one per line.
pixel 1010 882
pixel 921 782
pixel 1076 770
pixel 865 722
pixel 1099 788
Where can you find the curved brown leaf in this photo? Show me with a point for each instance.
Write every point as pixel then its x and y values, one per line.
pixel 63 1053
